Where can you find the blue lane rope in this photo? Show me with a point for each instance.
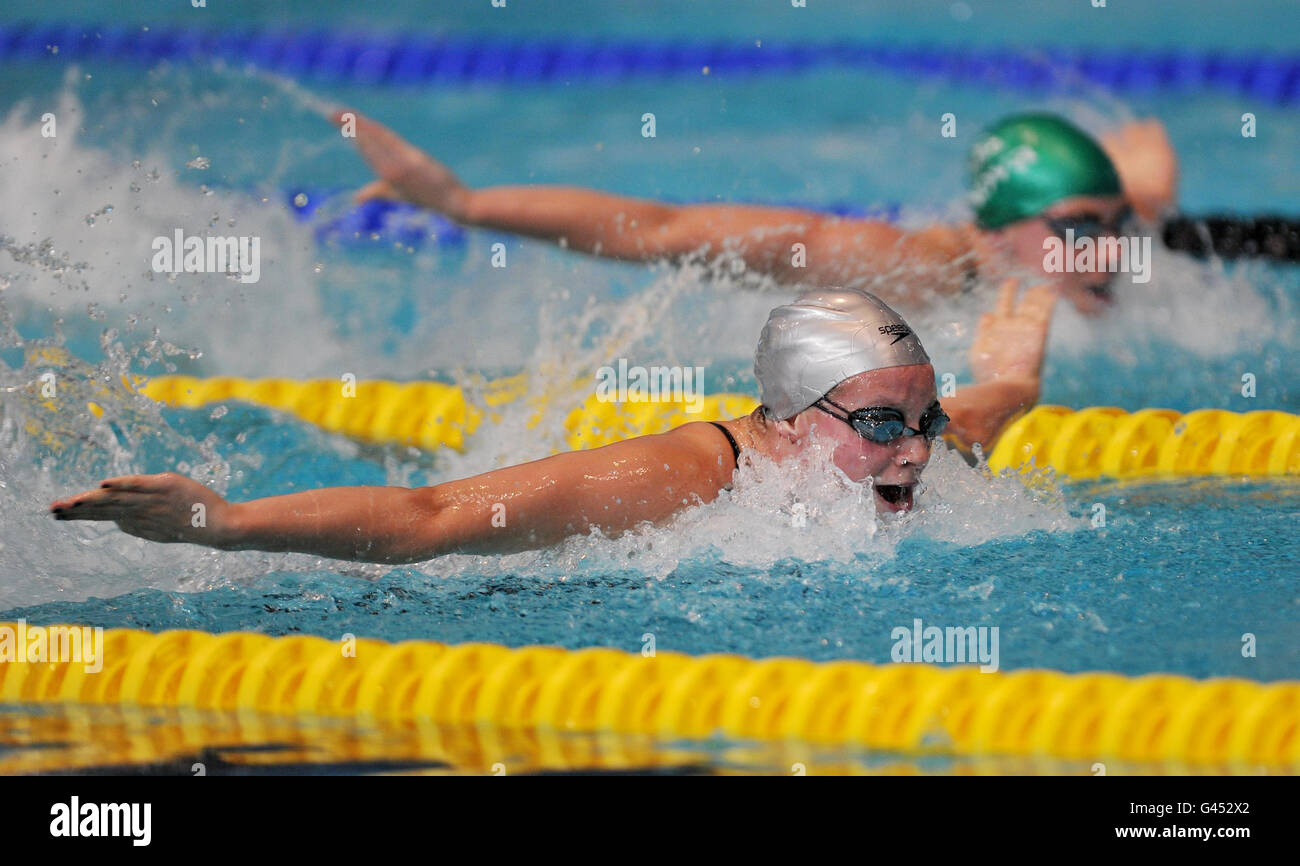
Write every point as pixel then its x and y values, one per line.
pixel 401 59
pixel 390 223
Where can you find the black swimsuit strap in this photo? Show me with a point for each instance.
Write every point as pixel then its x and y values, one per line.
pixel 1230 236
pixel 731 439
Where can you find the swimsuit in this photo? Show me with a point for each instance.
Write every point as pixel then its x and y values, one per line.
pixel 735 449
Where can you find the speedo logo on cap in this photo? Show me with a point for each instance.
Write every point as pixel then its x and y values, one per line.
pixel 900 329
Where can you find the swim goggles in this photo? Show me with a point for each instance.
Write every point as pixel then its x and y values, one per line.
pixel 881 425
pixel 1091 225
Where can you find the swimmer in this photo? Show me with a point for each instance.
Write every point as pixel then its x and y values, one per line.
pixel 837 367
pixel 1033 177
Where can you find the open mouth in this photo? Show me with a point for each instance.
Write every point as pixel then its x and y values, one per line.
pixel 895 497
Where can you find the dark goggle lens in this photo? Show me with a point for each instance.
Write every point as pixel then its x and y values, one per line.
pixel 879 427
pixel 932 426
pixel 1093 225
pixel 886 426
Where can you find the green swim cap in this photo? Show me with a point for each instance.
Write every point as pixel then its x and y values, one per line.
pixel 1027 162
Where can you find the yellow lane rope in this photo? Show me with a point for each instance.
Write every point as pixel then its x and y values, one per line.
pixel 1083 443
pixel 907 708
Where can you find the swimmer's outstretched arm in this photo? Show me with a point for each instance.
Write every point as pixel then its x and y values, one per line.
pixel 767 239
pixel 532 505
pixel 1006 361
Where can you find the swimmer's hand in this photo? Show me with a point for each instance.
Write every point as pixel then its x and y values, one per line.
pixel 1147 166
pixel 1006 360
pixel 1010 340
pixel 405 172
pixel 166 508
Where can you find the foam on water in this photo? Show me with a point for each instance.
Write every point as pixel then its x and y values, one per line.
pixel 1199 309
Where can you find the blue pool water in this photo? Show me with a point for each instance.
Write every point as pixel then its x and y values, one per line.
pixel 1179 574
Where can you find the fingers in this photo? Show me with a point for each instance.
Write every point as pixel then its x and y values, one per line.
pixel 111 495
pixel 79 500
pixel 100 504
pixel 371 137
pixel 341 116
pixel 1154 128
pixel 376 137
pixel 1007 297
pixel 138 483
pixel 376 189
pixel 97 512
pixel 1038 303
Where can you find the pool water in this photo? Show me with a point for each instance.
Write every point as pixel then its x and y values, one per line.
pixel 1177 578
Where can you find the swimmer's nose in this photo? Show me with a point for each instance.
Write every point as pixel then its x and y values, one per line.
pixel 914 450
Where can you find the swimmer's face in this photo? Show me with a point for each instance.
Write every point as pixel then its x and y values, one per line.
pixel 895 467
pixel 1096 216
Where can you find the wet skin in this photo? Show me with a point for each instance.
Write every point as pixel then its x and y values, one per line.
pixel 894 468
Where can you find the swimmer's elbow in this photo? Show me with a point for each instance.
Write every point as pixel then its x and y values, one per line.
pixel 429 515
pixel 447 520
pixel 981 427
pixel 980 414
pixel 964 437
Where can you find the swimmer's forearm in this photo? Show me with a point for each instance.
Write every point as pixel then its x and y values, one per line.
pixel 581 219
pixel 366 524
pixel 391 524
pixel 635 229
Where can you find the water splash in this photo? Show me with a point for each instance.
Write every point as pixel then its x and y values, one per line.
pixel 84 210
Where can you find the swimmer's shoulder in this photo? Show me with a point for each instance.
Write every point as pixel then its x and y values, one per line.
pixel 715 446
pixel 697 444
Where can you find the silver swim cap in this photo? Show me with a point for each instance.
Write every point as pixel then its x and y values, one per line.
pixel 824 337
